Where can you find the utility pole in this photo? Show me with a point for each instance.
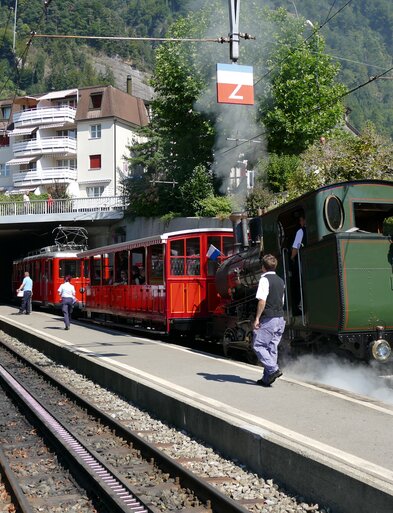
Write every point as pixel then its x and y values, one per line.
pixel 15 12
pixel 234 35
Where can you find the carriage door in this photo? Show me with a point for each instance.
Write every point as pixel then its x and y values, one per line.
pixel 184 282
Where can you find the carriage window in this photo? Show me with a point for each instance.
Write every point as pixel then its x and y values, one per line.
pixel 107 267
pixel 50 264
pixel 225 246
pixel 334 213
pixel 95 270
pixel 156 265
pixel 177 257
pixel 85 268
pixel 69 267
pixel 370 217
pixel 193 259
pixel 121 267
pixel 138 266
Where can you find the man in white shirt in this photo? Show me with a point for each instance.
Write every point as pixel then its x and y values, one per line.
pixel 68 298
pixel 269 321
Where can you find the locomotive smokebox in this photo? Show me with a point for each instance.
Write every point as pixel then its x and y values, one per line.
pixel 240 232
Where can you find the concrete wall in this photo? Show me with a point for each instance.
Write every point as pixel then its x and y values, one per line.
pixel 145 227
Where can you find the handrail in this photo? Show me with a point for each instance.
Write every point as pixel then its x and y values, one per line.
pixel 284 263
pixel 63 206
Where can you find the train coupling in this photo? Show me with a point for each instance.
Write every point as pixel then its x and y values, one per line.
pixel 380 348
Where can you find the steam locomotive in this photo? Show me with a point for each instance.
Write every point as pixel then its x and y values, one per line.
pixel 344 274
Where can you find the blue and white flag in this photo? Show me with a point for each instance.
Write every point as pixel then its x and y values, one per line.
pixel 213 253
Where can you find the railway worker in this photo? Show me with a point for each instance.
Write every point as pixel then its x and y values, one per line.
pixel 68 299
pixel 300 238
pixel 269 321
pixel 27 287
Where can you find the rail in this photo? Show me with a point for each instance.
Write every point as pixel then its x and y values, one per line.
pixel 63 206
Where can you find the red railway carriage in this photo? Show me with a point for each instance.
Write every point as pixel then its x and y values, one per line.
pixel 166 282
pixel 48 267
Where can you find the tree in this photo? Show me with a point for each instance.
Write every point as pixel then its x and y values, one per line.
pixel 341 157
pixel 302 99
pixel 177 151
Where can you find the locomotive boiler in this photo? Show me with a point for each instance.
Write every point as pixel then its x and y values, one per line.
pixel 339 292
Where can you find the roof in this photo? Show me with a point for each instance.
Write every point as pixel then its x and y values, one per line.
pixel 149 241
pixel 115 103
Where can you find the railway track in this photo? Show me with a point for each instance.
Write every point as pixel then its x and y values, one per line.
pixel 119 470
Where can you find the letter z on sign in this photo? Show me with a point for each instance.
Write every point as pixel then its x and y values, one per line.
pixel 235 84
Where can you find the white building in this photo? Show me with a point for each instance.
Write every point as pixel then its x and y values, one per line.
pixel 76 138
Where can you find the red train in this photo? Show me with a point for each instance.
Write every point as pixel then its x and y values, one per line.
pixel 49 265
pixel 47 268
pixel 164 283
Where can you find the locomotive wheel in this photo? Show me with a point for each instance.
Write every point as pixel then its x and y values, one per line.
pixel 229 336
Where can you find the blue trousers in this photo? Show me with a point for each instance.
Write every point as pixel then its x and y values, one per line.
pixel 67 307
pixel 265 342
pixel 26 302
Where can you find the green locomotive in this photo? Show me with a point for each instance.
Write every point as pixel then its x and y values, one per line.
pixel 339 289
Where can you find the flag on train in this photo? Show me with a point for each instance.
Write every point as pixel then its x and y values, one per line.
pixel 213 253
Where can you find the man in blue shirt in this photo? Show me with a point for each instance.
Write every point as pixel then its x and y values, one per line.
pixel 27 287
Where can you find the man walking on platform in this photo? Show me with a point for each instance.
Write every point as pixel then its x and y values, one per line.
pixel 269 320
pixel 27 287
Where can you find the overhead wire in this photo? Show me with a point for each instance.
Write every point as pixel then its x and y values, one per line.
pixel 305 41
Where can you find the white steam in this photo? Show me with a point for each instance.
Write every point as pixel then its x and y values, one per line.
pixel 367 380
pixel 240 137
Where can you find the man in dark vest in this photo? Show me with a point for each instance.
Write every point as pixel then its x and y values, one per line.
pixel 269 320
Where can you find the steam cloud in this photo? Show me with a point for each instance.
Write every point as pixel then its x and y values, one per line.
pixel 236 122
pixel 356 377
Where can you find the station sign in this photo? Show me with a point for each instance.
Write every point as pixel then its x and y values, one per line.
pixel 235 84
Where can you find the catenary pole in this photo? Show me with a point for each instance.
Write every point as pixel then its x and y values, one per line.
pixel 234 35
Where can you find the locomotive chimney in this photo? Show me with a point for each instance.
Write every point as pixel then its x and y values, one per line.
pixel 239 226
pixel 129 84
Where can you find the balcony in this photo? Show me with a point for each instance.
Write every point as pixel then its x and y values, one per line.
pixel 45 146
pixel 43 116
pixel 35 177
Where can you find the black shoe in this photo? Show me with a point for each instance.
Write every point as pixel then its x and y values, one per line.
pixel 261 383
pixel 27 313
pixel 277 374
pixel 20 313
pixel 67 328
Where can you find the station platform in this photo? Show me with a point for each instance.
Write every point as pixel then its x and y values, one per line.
pixel 330 447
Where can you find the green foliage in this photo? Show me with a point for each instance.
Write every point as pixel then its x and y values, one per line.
pixel 180 139
pixel 260 198
pixel 279 169
pixel 343 157
pixel 215 206
pixel 302 97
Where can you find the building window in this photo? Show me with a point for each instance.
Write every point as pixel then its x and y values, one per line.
pixel 4 140
pixel 95 131
pixel 4 170
pixel 69 164
pixel 95 101
pixel 67 103
pixel 5 111
pixel 95 162
pixel 66 133
pixel 94 192
pixel 32 166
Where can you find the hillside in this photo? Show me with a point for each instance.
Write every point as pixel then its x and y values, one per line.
pixel 359 37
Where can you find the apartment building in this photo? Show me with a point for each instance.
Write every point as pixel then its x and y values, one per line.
pixel 77 138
